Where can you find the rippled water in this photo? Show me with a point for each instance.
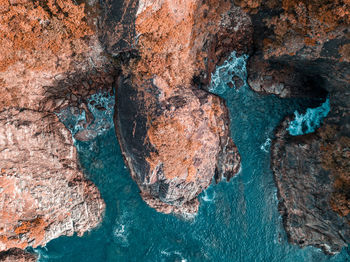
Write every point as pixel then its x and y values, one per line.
pixel 237 221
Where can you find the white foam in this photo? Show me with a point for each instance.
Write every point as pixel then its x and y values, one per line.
pixel 234 66
pixel 177 253
pixel 266 146
pixel 76 119
pixel 311 120
pixel 120 234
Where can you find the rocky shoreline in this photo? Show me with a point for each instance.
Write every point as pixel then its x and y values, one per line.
pixel 174 134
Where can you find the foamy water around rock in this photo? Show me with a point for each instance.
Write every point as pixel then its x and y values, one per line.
pixel 240 223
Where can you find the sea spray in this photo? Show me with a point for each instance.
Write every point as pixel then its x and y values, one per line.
pixel 310 121
pixel 226 75
pixel 89 122
pixel 266 146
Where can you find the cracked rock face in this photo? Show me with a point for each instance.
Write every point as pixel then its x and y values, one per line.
pixel 175 136
pixel 17 255
pixel 173 146
pixel 301 50
pixel 43 195
pixel 312 176
pixel 298 45
pixel 42 43
pixel 50 58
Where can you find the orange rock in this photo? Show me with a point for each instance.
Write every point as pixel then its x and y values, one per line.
pixel 184 130
pixel 41 177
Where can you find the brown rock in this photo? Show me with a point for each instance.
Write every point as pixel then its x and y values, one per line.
pixel 43 194
pixel 173 135
pixel 48 50
pixel 17 255
pixel 312 174
pixel 42 44
pixel 299 46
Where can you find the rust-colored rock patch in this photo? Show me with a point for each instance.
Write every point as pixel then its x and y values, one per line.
pixel 335 158
pixel 43 195
pixel 40 29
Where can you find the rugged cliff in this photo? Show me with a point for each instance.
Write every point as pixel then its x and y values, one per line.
pixel 301 49
pixel 17 255
pixel 50 57
pixel 174 135
pixel 43 194
pixel 312 176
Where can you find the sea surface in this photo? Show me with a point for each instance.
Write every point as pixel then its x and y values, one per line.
pixel 237 220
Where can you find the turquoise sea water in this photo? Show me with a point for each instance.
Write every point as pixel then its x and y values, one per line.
pixel 237 221
pixel 310 121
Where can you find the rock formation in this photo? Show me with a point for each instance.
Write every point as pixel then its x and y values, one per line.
pixel 43 194
pixel 173 133
pixel 50 57
pixel 312 176
pixel 301 50
pixel 175 136
pixel 17 255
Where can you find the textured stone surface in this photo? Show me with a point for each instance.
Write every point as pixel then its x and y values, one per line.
pixel 310 173
pixel 299 45
pixel 117 25
pixel 175 136
pixel 50 58
pixel 173 156
pixel 42 193
pixel 41 44
pixel 17 255
pixel 301 50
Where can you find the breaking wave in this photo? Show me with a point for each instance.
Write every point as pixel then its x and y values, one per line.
pixel 310 121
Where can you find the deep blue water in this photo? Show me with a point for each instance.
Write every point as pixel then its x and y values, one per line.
pixel 237 221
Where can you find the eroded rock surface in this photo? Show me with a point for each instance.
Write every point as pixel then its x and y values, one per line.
pixel 175 136
pixel 50 58
pixel 312 174
pixel 43 195
pixel 301 50
pixel 298 45
pixel 17 255
pixel 43 43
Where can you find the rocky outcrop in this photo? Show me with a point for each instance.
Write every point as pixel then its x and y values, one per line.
pixel 175 136
pixel 173 147
pixel 42 44
pixel 301 50
pixel 17 255
pixel 50 58
pixel 42 193
pixel 312 176
pixel 298 46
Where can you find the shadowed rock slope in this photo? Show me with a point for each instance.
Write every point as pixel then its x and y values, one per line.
pixel 301 50
pixel 175 136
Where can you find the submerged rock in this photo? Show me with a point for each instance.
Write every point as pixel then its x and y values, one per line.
pixel 175 136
